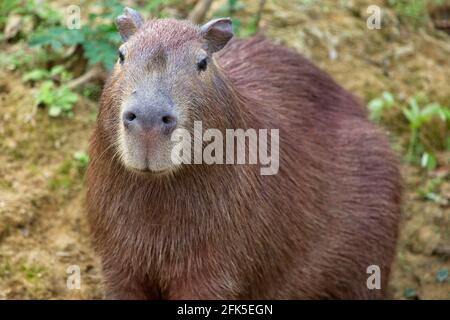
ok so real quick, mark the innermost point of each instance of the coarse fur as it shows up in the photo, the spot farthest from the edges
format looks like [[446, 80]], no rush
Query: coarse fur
[[227, 232]]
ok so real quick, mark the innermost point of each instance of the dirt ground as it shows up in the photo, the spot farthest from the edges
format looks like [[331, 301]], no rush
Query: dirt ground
[[43, 228]]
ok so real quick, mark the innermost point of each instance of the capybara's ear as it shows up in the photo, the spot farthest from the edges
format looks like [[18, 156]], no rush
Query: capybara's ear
[[128, 23], [217, 32]]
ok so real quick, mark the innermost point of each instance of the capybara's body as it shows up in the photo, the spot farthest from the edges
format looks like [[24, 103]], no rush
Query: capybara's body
[[228, 232]]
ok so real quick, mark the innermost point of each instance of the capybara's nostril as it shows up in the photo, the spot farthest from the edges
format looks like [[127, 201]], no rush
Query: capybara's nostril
[[169, 122], [128, 118], [167, 119]]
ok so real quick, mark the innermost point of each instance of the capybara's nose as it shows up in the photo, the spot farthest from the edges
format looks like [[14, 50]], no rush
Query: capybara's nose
[[169, 122], [149, 119]]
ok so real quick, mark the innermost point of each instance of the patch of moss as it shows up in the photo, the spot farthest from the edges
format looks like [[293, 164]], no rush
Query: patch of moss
[[5, 269], [63, 177], [32, 272]]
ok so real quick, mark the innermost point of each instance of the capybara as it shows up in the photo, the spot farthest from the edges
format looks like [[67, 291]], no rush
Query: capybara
[[167, 230]]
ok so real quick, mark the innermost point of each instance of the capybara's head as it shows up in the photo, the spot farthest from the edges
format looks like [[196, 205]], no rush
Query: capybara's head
[[165, 79]]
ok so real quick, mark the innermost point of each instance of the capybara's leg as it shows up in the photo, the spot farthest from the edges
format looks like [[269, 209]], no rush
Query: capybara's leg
[[119, 287], [201, 288]]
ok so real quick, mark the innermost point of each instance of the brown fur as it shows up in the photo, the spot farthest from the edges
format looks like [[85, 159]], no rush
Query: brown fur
[[225, 231]]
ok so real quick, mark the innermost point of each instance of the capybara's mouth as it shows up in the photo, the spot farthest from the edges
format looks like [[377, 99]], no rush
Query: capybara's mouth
[[148, 171]]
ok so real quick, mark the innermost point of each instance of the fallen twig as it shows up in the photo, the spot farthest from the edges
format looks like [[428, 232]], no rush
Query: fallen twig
[[262, 3], [198, 13], [94, 72], [442, 251], [441, 44]]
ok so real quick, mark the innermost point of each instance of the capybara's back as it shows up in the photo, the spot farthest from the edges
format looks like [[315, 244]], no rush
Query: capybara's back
[[323, 225]]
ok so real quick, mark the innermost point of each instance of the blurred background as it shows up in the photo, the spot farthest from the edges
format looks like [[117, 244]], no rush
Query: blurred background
[[51, 73]]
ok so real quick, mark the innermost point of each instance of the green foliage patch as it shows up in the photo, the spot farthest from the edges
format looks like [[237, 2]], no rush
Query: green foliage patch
[[98, 38], [413, 11]]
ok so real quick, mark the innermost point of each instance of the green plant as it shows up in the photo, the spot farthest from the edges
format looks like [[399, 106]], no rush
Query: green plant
[[156, 7], [58, 99], [82, 159], [98, 38], [412, 11], [409, 9], [53, 92], [378, 106], [417, 117], [229, 8], [410, 293], [15, 60], [429, 190], [428, 161], [57, 73], [419, 121], [7, 7], [41, 12], [307, 3], [442, 275], [32, 272]]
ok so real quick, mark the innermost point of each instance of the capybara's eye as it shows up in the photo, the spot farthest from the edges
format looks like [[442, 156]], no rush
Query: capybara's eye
[[121, 57], [202, 64]]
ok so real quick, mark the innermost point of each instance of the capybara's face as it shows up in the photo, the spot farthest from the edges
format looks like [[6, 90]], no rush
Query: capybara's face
[[166, 77]]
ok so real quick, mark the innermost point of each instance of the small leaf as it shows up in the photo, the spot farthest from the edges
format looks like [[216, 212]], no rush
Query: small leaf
[[82, 157], [376, 104], [442, 275], [414, 106], [428, 161], [388, 98], [430, 110], [58, 69], [35, 75], [376, 107], [45, 95], [54, 111], [100, 51], [444, 113], [408, 114], [57, 37], [410, 293]]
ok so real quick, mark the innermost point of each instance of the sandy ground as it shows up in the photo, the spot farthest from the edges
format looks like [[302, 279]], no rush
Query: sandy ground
[[43, 228]]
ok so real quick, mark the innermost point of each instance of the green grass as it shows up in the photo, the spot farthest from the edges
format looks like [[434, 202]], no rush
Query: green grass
[[412, 11], [419, 116]]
